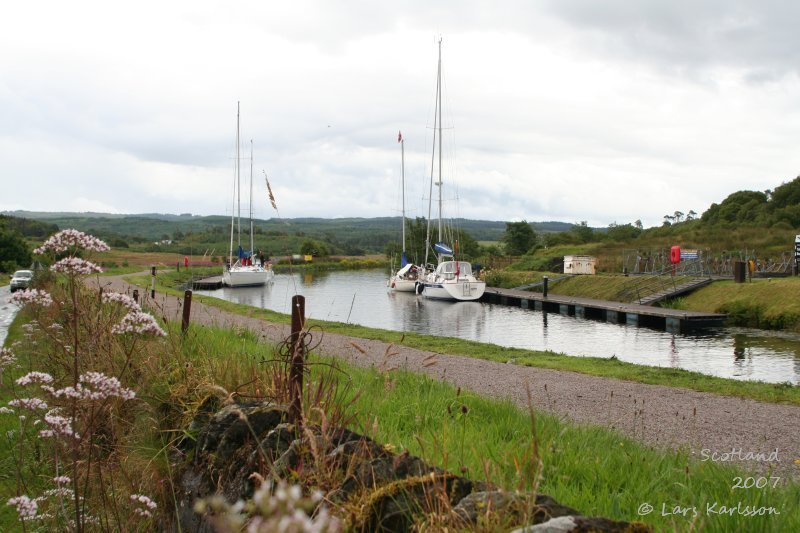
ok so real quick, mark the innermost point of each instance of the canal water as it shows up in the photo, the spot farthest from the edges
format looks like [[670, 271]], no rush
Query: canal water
[[362, 297]]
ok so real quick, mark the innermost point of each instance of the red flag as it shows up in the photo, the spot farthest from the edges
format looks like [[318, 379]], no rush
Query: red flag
[[399, 136]]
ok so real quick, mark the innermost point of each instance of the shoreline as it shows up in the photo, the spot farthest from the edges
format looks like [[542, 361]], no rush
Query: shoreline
[[657, 415]]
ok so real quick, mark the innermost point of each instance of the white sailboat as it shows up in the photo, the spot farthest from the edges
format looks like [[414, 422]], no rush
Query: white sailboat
[[244, 269], [452, 279], [405, 279]]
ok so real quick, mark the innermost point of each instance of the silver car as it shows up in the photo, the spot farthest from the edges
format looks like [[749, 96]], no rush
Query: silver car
[[21, 279]]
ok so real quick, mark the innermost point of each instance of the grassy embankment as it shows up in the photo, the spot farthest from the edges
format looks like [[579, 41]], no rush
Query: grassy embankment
[[579, 466], [611, 367]]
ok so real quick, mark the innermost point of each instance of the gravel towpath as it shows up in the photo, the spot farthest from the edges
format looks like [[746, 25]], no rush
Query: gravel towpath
[[703, 423]]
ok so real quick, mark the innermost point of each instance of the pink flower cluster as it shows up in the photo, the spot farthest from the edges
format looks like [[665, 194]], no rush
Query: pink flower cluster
[[138, 322], [76, 266], [32, 297], [26, 508], [149, 505], [59, 427], [123, 299], [93, 386], [7, 358], [69, 239], [31, 404], [34, 377]]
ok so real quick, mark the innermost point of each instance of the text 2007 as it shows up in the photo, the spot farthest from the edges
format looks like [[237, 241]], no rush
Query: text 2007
[[755, 482]]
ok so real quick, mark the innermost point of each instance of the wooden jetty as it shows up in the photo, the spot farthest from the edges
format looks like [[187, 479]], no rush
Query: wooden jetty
[[672, 320], [207, 284]]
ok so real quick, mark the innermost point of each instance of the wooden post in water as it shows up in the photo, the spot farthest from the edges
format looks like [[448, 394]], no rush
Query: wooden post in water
[[297, 362], [544, 286], [187, 310]]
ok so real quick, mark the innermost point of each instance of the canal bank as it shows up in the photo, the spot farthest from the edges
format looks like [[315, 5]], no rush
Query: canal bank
[[658, 415]]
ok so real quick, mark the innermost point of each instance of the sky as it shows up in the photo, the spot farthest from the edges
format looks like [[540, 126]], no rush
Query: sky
[[604, 111]]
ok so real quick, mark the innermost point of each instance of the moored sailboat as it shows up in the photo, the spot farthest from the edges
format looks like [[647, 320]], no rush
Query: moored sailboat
[[452, 279], [244, 269], [405, 279]]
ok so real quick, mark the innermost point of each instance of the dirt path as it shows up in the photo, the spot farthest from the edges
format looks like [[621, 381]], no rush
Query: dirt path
[[705, 424]]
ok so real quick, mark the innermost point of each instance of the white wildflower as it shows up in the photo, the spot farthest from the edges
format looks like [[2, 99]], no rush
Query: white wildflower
[[71, 239], [138, 322], [31, 297], [76, 266]]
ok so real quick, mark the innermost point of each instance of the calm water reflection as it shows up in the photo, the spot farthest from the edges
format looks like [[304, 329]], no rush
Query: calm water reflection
[[361, 297]]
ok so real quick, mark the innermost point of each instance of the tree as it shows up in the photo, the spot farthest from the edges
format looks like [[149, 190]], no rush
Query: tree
[[583, 232], [621, 233], [14, 251], [314, 247], [519, 237]]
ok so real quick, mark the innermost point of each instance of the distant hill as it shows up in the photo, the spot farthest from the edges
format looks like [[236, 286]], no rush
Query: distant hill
[[370, 233]]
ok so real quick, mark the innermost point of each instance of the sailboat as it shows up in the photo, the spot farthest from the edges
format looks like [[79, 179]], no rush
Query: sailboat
[[405, 279], [451, 279], [244, 269]]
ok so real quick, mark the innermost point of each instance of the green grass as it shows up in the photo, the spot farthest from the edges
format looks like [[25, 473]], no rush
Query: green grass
[[763, 303], [592, 469], [595, 366]]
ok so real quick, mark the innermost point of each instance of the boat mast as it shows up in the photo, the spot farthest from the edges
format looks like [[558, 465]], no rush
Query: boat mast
[[233, 201], [403, 187], [251, 199], [238, 186], [439, 183], [433, 154]]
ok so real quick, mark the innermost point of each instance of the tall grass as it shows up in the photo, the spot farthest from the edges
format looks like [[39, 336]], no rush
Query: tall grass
[[591, 469]]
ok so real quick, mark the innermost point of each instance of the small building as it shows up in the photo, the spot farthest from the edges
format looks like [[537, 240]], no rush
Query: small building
[[579, 264]]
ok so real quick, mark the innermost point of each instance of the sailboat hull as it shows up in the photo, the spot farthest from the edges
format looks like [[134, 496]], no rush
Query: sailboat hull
[[461, 290], [402, 285], [246, 276]]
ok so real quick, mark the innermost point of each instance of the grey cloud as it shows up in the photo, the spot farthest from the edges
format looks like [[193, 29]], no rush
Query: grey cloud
[[759, 37]]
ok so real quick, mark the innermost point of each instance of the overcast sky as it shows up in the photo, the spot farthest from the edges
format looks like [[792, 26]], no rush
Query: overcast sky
[[597, 110]]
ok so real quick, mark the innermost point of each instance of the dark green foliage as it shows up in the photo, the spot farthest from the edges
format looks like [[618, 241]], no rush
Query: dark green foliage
[[14, 251], [623, 232], [583, 232], [27, 227], [758, 209], [315, 248], [519, 237]]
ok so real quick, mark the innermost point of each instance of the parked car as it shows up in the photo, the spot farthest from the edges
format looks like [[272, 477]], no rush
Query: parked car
[[21, 279]]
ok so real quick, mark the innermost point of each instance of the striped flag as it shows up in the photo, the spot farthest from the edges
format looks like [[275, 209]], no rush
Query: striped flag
[[271, 196]]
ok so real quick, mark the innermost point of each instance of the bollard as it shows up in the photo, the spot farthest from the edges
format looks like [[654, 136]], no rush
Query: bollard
[[187, 310], [136, 295], [297, 362], [544, 286], [153, 283]]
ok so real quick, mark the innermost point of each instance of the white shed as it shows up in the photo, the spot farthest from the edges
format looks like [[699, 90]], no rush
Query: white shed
[[579, 264]]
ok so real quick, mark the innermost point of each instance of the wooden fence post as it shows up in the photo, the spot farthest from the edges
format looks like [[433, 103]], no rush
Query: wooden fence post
[[297, 361], [187, 310]]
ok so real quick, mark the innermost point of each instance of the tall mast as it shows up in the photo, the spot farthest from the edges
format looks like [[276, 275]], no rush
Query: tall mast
[[251, 198], [238, 185], [439, 98], [233, 200], [433, 155], [403, 187]]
